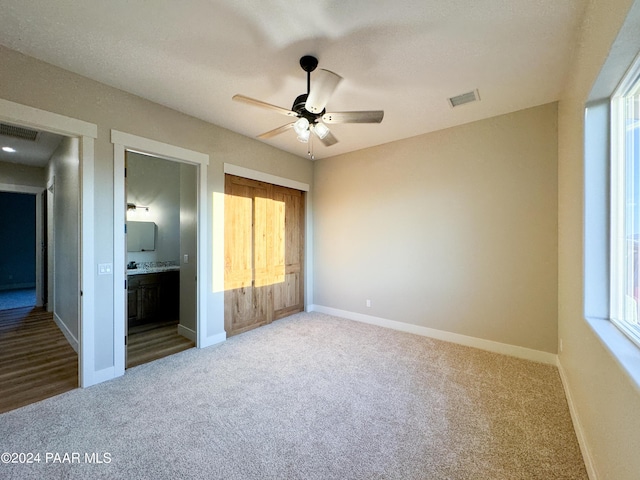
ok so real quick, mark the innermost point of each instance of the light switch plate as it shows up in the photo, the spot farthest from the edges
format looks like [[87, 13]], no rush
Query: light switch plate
[[105, 268]]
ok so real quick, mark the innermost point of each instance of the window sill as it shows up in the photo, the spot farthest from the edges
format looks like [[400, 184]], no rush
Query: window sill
[[623, 350]]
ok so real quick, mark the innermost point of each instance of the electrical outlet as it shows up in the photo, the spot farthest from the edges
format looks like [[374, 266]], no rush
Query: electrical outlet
[[368, 303], [185, 258]]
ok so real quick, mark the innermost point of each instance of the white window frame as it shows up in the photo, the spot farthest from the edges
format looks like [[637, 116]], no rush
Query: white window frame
[[618, 299]]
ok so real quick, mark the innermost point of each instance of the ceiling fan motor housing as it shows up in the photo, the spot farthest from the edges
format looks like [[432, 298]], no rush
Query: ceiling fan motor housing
[[298, 107]]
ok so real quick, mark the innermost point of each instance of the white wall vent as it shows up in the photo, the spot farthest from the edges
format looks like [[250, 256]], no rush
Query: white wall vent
[[18, 132], [463, 98]]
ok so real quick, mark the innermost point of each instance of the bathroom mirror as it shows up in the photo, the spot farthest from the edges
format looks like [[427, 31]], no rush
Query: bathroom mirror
[[141, 236]]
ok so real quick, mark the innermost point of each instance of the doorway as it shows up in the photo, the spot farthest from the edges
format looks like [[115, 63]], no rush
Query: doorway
[[197, 182], [84, 133], [38, 337], [18, 242], [161, 238]]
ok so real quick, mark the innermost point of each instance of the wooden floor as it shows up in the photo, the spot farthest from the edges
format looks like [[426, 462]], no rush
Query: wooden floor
[[153, 341], [36, 361]]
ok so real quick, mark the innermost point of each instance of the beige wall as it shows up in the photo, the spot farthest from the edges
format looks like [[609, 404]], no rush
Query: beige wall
[[454, 230], [605, 400], [155, 183], [63, 172], [33, 83], [13, 174]]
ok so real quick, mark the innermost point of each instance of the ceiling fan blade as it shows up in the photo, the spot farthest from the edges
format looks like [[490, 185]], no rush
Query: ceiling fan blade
[[328, 139], [371, 116], [325, 83], [261, 104], [276, 131]]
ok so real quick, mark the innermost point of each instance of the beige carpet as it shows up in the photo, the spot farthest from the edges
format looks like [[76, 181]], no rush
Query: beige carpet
[[309, 397]]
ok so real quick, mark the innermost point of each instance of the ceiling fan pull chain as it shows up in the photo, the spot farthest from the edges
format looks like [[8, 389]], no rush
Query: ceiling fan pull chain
[[310, 148]]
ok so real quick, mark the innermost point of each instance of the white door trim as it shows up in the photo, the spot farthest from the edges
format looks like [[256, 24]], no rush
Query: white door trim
[[26, 116], [51, 246], [251, 174], [124, 141]]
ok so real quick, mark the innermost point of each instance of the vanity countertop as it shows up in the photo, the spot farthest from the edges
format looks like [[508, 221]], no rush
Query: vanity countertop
[[140, 270]]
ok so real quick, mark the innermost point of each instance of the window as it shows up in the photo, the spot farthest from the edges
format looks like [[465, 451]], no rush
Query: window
[[625, 205]]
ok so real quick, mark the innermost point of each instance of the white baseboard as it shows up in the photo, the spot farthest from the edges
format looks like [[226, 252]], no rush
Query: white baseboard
[[577, 426], [73, 341], [489, 345], [187, 333], [212, 340]]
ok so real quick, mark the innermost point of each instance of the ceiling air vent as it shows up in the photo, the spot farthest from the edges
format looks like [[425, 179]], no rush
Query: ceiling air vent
[[463, 98], [18, 132]]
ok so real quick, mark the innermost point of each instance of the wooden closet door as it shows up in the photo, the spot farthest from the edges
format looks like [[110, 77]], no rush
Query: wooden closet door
[[288, 292], [246, 305], [264, 244]]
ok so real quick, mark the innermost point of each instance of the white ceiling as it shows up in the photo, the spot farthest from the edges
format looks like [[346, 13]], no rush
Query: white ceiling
[[34, 153], [405, 57]]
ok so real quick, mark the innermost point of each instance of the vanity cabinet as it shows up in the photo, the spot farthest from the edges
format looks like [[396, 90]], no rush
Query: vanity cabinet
[[153, 297]]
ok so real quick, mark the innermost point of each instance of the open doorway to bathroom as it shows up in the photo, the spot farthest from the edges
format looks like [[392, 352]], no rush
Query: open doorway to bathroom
[[161, 238]]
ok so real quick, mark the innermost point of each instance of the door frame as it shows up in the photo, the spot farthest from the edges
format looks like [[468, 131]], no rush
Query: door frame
[[122, 142], [49, 195], [18, 114]]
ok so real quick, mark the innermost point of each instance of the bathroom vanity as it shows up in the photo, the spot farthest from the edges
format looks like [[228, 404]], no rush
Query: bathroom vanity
[[153, 295]]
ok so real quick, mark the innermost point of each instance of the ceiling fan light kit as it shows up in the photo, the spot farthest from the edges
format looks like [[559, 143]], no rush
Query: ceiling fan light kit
[[301, 125], [310, 108], [321, 130]]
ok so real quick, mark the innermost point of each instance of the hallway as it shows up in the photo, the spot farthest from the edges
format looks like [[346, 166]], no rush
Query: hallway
[[36, 360]]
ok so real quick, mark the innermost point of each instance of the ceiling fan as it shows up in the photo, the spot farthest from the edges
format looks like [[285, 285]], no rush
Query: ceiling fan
[[309, 108]]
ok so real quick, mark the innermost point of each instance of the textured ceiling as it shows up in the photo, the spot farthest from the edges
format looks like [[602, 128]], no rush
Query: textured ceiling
[[405, 57]]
